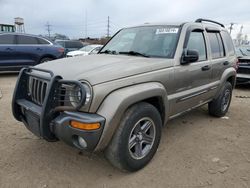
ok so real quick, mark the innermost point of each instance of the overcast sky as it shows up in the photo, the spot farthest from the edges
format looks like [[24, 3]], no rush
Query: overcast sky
[[69, 17]]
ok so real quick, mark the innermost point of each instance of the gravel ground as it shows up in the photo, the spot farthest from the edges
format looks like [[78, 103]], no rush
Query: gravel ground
[[196, 150]]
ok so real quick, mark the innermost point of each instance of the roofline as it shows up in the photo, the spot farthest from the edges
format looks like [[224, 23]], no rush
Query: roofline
[[200, 21], [25, 34]]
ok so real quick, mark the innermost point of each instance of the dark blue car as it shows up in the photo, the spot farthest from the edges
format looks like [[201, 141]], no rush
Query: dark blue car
[[21, 50]]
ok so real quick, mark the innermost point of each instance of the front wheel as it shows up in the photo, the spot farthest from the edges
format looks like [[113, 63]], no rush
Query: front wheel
[[137, 138], [219, 106]]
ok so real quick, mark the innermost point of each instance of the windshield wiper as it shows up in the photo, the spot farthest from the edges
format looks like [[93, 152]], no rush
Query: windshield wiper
[[134, 53], [108, 52]]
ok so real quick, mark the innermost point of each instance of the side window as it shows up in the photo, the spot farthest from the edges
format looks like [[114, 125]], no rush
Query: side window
[[196, 41], [7, 39], [27, 40], [228, 42], [96, 50], [42, 41], [217, 48], [73, 44], [61, 43]]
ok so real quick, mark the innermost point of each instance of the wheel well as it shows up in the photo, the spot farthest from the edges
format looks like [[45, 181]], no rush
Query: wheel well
[[47, 56], [231, 79], [157, 102]]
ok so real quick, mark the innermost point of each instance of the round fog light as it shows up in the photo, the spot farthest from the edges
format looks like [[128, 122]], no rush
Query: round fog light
[[82, 142]]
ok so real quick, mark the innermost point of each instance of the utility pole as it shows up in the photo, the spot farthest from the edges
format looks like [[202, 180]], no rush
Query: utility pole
[[231, 28], [48, 28], [86, 25], [108, 28]]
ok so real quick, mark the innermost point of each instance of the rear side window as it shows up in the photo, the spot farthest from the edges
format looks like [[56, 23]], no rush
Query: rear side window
[[61, 43], [217, 48], [196, 42], [228, 42], [27, 40], [42, 41], [7, 39], [73, 44]]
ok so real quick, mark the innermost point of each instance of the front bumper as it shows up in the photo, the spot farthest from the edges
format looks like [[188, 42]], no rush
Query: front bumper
[[243, 78], [243, 73], [46, 122], [63, 131]]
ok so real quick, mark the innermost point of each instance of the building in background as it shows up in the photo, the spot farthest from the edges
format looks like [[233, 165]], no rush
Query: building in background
[[7, 28]]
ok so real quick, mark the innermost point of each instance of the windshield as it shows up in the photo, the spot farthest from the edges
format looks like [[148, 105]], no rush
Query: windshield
[[243, 51], [149, 41], [87, 48]]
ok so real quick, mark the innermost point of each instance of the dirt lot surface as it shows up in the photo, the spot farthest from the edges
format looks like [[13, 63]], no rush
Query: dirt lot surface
[[196, 150]]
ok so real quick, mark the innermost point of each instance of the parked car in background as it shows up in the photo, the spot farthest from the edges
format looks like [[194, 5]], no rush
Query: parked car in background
[[243, 72], [21, 50], [70, 45], [86, 50]]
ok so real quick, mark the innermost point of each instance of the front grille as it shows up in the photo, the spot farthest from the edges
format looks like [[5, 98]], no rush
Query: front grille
[[244, 70], [37, 90]]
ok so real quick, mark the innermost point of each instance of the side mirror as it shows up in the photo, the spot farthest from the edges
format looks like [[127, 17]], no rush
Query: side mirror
[[189, 56]]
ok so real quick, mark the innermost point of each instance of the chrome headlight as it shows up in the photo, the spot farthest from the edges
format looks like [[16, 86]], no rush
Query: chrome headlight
[[88, 93], [76, 95]]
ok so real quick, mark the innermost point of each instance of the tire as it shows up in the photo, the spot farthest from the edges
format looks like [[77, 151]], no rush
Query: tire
[[141, 125], [219, 106], [45, 59]]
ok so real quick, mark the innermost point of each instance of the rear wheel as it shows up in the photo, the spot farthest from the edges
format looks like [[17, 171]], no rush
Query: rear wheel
[[45, 59], [137, 138], [219, 106]]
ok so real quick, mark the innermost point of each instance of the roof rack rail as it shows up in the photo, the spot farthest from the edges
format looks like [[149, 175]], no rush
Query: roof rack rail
[[207, 20]]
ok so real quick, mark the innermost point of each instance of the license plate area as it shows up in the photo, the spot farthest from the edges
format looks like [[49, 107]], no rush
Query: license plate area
[[33, 123]]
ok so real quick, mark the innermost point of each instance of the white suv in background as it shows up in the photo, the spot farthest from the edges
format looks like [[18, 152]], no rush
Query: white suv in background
[[86, 50]]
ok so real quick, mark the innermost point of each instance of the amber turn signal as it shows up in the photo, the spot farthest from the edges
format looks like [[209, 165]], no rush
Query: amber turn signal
[[85, 126]]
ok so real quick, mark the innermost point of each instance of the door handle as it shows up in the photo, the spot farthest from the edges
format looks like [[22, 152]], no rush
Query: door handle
[[38, 48], [9, 49], [205, 68], [226, 63]]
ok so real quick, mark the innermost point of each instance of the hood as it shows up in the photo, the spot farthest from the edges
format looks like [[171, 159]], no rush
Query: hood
[[77, 52], [101, 68]]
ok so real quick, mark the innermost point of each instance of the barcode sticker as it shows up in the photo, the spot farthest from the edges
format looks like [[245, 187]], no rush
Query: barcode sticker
[[166, 30]]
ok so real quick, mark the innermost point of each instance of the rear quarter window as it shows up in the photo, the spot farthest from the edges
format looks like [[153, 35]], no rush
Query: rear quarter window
[[42, 41], [228, 42]]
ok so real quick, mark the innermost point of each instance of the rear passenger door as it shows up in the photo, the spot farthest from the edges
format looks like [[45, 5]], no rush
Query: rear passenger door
[[218, 55], [28, 50], [192, 80]]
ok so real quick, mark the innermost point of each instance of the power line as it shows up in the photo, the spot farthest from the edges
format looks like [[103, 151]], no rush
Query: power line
[[48, 28]]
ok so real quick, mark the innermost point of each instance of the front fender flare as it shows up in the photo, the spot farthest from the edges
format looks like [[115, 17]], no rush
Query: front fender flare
[[117, 102]]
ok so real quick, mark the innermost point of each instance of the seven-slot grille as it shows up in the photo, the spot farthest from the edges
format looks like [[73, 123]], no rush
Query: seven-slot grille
[[37, 89]]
